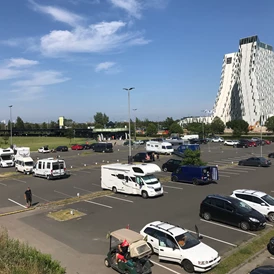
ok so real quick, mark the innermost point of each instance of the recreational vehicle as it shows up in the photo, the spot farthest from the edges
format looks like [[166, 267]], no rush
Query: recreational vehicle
[[136, 179], [24, 164], [6, 156], [21, 152], [159, 147]]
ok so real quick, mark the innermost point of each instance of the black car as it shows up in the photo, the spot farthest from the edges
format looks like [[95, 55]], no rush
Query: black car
[[231, 211], [271, 155], [266, 269], [91, 146], [255, 161], [144, 157], [85, 146], [242, 143], [171, 165], [198, 141], [62, 148], [270, 246], [103, 147]]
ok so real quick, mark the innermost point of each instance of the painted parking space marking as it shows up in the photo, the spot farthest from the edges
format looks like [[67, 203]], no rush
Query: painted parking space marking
[[165, 192], [228, 172], [107, 206], [3, 184], [269, 224], [17, 180], [174, 187], [165, 267], [82, 189], [234, 169], [84, 171], [215, 239], [246, 168], [64, 194], [181, 184], [16, 203], [41, 198], [121, 199], [272, 258], [232, 228], [221, 175]]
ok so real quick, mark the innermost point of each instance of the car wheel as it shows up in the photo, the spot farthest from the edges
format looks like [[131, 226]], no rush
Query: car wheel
[[174, 179], [144, 194], [106, 261], [244, 146], [16, 169], [244, 226], [114, 190], [188, 266], [48, 177], [270, 216], [207, 216], [195, 181], [33, 174], [165, 169], [270, 249]]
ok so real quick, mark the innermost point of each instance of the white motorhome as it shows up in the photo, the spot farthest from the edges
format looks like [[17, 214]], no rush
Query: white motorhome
[[136, 179], [6, 157], [21, 152], [24, 164], [50, 168], [159, 147], [188, 137]]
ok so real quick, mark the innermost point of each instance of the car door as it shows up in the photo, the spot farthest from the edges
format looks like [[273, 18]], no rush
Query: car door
[[249, 162], [230, 214], [169, 165], [169, 250], [217, 210], [136, 158], [260, 205]]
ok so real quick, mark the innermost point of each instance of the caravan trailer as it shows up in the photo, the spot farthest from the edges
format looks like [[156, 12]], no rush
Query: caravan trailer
[[159, 147], [6, 157], [21, 152], [136, 179]]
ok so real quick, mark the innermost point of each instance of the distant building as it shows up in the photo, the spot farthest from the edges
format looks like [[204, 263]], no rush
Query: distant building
[[61, 121]]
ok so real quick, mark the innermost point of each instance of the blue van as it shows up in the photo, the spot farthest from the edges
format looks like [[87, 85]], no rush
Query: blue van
[[195, 174], [182, 148]]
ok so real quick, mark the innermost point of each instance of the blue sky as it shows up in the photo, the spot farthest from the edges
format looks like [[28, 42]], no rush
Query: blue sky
[[73, 58]]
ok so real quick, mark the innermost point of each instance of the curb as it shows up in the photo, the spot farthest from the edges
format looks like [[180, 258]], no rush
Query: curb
[[15, 212]]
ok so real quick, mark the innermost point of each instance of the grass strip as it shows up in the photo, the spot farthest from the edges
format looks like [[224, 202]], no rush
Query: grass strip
[[243, 253], [8, 174], [65, 214]]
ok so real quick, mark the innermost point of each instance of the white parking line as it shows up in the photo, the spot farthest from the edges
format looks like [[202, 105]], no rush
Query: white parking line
[[83, 189], [181, 184], [112, 197], [64, 194], [84, 171], [40, 198], [232, 228], [165, 192], [228, 172], [269, 225], [19, 180], [17, 203], [238, 170], [3, 184], [245, 168], [215, 239], [173, 187], [272, 258], [167, 268], [97, 204], [221, 175]]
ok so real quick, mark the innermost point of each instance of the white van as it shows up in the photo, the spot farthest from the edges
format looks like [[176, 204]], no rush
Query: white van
[[24, 164], [159, 147], [6, 157], [50, 168], [137, 179]]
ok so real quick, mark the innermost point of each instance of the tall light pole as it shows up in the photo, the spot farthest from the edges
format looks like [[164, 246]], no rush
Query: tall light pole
[[10, 125], [261, 125], [129, 134], [203, 126], [135, 124]]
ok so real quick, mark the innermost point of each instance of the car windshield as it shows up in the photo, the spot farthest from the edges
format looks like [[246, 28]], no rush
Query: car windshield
[[242, 207], [6, 157], [29, 163], [168, 147], [187, 240], [268, 199], [150, 179]]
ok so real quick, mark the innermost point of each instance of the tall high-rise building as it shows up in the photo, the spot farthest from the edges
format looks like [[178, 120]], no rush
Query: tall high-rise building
[[247, 83]]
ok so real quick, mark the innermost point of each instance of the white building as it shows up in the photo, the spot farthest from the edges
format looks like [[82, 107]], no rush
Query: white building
[[247, 83]]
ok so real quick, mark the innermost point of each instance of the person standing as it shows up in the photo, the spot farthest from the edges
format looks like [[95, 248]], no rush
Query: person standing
[[28, 197]]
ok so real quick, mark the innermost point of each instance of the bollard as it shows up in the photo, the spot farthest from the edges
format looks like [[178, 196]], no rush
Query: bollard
[[107, 161], [232, 163], [117, 160], [78, 153], [95, 163], [59, 156], [78, 195], [72, 212], [85, 165], [103, 161], [70, 166], [118, 149]]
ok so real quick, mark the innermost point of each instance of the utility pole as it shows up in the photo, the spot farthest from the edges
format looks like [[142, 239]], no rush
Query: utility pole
[[135, 124], [10, 125]]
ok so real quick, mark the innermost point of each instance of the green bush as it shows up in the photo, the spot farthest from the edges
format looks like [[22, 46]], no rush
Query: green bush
[[20, 258]]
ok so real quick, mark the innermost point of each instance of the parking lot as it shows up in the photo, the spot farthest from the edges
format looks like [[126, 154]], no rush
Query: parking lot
[[179, 205]]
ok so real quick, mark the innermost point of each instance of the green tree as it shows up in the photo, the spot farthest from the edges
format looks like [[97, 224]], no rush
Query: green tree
[[192, 158], [69, 134], [168, 122], [44, 125], [175, 128], [53, 124], [36, 126], [151, 129], [217, 125], [195, 127], [6, 139], [28, 125], [100, 120], [270, 124], [19, 123], [238, 126]]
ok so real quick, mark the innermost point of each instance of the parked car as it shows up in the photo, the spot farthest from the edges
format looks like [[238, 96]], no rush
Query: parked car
[[138, 142], [144, 157], [126, 143], [176, 244], [92, 146], [231, 211], [103, 147], [242, 143], [198, 141], [76, 147], [270, 246], [85, 146], [62, 148], [230, 142], [44, 149], [217, 139], [266, 269], [255, 161], [171, 165], [258, 200], [267, 142], [271, 155], [253, 143]]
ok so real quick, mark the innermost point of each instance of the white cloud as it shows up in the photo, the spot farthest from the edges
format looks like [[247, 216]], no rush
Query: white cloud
[[42, 78], [28, 93], [21, 62], [58, 14], [133, 7], [101, 37], [6, 73], [104, 66]]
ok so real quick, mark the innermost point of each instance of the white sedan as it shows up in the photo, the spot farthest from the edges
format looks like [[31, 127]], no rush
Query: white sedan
[[44, 150], [230, 142], [217, 140]]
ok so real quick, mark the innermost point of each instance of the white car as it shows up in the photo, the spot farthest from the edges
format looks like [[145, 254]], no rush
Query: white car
[[217, 140], [44, 150], [175, 244], [258, 200], [230, 142], [139, 142]]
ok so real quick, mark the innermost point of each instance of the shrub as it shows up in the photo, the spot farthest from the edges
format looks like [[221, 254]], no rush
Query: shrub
[[20, 258]]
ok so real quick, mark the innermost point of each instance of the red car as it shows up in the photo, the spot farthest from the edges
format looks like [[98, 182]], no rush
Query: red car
[[77, 147], [267, 142], [252, 144]]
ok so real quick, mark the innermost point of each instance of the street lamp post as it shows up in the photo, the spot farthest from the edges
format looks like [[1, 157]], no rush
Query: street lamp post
[[261, 125], [135, 124], [129, 134], [10, 125]]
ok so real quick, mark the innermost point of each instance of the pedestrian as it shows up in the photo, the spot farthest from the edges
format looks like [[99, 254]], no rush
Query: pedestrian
[[158, 156], [28, 197], [153, 156]]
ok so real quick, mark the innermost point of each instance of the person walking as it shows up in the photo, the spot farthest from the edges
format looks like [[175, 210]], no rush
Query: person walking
[[28, 197]]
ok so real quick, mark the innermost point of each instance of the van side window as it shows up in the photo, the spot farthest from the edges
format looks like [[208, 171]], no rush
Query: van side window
[[121, 176], [48, 165], [257, 200], [148, 145], [44, 165], [150, 231], [208, 201], [228, 207], [133, 179], [39, 165], [219, 203], [138, 180]]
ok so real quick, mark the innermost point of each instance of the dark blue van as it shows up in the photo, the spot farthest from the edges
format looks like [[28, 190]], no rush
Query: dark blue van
[[182, 148], [195, 174]]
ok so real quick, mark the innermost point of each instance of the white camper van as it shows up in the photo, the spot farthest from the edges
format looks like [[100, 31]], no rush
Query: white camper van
[[50, 168], [137, 179], [6, 157], [21, 152], [24, 164], [159, 147]]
